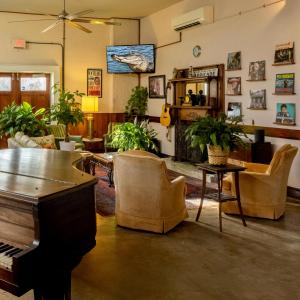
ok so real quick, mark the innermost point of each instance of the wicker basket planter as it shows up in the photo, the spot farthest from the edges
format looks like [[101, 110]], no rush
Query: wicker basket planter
[[217, 156]]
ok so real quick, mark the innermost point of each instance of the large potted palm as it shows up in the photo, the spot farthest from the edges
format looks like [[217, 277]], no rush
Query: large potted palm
[[66, 111], [219, 135]]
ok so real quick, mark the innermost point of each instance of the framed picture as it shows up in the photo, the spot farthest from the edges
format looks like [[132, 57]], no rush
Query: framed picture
[[234, 86], [285, 83], [286, 114], [157, 86], [258, 99], [94, 82], [234, 61], [284, 54], [234, 109], [257, 70]]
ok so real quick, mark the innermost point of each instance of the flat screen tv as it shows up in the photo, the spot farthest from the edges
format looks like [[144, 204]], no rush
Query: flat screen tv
[[130, 59]]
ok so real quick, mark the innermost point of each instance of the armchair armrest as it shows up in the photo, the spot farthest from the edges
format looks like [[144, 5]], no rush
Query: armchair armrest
[[255, 167]]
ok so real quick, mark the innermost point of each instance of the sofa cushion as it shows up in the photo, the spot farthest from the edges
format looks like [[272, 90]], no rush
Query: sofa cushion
[[25, 141]]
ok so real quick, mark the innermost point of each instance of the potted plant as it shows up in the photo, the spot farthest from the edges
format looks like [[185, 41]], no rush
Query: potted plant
[[138, 101], [14, 118], [134, 136], [220, 135], [66, 111]]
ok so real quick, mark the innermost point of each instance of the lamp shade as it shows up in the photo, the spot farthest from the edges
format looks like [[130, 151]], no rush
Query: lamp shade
[[89, 104]]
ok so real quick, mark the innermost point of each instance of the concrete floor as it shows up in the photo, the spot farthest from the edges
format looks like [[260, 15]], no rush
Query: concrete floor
[[193, 261]]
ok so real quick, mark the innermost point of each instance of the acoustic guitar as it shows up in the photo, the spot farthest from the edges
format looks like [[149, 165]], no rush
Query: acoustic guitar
[[165, 118]]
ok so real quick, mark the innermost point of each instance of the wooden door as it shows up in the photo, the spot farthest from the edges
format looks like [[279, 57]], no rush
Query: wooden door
[[34, 89], [18, 87], [30, 87], [8, 89]]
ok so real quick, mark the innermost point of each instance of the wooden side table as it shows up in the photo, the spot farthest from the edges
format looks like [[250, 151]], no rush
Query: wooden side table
[[93, 145], [219, 196]]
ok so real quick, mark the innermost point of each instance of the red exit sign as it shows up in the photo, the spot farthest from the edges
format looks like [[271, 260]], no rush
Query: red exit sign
[[20, 44]]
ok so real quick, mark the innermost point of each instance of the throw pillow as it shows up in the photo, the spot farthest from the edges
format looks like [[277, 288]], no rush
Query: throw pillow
[[47, 141]]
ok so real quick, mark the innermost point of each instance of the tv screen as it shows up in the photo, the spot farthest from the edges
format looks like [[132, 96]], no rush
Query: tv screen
[[130, 59]]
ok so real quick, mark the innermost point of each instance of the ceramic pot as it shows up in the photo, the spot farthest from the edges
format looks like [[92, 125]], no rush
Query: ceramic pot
[[67, 146]]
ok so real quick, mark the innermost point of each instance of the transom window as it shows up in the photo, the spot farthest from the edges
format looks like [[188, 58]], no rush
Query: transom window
[[33, 84], [5, 84]]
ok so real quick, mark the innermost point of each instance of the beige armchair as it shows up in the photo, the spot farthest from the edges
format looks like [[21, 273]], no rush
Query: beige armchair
[[263, 188], [145, 197]]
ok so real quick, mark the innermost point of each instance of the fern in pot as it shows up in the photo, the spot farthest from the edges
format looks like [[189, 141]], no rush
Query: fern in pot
[[134, 136], [220, 135]]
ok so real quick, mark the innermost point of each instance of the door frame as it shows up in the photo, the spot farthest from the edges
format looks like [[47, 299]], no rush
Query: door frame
[[54, 72]]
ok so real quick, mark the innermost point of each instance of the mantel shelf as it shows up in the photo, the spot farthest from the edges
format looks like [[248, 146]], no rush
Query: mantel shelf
[[284, 94], [192, 79], [192, 107]]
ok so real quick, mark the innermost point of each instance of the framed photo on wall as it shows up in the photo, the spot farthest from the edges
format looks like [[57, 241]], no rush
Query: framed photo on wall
[[157, 86], [94, 82]]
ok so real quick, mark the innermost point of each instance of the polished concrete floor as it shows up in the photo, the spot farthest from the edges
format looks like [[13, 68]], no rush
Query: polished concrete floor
[[193, 261]]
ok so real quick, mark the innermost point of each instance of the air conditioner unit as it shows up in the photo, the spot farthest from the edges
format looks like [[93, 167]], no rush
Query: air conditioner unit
[[202, 15]]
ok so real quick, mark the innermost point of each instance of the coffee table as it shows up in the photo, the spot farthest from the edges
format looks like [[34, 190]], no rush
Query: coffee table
[[104, 160]]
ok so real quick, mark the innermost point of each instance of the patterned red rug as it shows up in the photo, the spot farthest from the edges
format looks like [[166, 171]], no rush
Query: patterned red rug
[[105, 195]]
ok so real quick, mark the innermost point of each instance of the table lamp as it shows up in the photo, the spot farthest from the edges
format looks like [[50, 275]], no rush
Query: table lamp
[[89, 105]]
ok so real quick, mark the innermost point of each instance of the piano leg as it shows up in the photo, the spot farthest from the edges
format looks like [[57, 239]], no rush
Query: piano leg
[[58, 288]]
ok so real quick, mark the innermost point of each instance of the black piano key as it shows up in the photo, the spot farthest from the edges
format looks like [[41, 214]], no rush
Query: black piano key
[[13, 252], [6, 248], [3, 246]]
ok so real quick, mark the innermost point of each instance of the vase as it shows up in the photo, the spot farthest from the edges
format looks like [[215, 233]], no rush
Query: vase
[[67, 146], [217, 156]]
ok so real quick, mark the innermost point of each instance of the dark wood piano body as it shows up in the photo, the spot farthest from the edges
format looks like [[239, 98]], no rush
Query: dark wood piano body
[[47, 208]]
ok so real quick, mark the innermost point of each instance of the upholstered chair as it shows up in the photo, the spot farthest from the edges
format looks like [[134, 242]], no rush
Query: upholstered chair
[[145, 198], [263, 188], [59, 133]]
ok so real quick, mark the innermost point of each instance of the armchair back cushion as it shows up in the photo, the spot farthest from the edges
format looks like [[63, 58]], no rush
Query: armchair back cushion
[[145, 197]]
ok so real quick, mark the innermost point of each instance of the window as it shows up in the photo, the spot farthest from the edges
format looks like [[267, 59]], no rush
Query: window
[[5, 84], [33, 84]]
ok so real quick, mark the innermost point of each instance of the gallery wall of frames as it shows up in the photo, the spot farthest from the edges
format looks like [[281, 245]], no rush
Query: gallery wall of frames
[[284, 86]]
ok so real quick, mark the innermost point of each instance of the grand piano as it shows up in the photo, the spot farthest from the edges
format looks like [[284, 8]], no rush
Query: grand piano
[[47, 220]]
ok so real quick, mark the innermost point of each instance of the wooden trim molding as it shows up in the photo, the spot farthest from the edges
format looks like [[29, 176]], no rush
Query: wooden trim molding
[[283, 133], [294, 193]]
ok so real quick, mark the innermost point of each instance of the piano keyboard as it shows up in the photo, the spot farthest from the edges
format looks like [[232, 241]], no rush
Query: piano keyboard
[[6, 255]]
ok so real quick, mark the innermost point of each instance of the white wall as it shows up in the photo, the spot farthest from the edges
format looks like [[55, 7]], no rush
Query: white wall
[[255, 34], [82, 51]]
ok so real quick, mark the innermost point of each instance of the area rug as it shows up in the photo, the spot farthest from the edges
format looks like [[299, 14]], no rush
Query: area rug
[[105, 195]]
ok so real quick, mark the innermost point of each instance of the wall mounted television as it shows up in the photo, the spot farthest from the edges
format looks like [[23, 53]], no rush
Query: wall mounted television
[[131, 59]]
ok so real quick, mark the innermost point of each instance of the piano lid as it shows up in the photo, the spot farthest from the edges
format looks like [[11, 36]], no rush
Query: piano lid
[[38, 173]]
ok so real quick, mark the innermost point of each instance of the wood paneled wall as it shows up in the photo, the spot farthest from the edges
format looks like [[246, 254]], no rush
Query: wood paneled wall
[[101, 121]]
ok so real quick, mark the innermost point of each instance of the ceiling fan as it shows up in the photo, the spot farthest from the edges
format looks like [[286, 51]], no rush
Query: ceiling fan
[[71, 20]]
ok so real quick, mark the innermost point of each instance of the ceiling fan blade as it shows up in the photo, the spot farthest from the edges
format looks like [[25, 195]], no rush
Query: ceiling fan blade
[[79, 14], [52, 26], [97, 22], [78, 26], [30, 20], [36, 12]]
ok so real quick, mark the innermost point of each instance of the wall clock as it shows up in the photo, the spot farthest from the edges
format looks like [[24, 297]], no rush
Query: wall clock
[[197, 51]]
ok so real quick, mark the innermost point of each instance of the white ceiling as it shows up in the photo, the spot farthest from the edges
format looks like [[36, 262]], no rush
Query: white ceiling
[[103, 8]]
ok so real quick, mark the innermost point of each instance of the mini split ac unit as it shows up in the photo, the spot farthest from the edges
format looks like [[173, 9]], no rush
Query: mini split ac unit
[[202, 15]]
